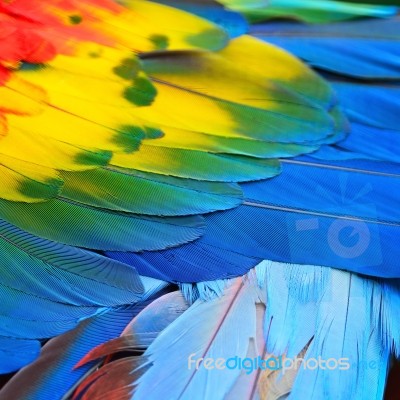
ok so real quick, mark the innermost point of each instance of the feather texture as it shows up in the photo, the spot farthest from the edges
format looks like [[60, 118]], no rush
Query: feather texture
[[309, 11], [143, 123], [137, 336], [348, 209], [205, 340], [341, 314], [234, 23], [59, 355], [205, 336], [139, 138], [365, 49], [132, 191], [312, 315], [47, 288]]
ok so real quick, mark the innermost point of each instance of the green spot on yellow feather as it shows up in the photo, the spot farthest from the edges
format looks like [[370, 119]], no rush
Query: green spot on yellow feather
[[129, 137], [99, 158], [161, 42], [75, 19], [129, 68], [213, 39], [153, 133], [41, 190], [30, 67], [141, 93]]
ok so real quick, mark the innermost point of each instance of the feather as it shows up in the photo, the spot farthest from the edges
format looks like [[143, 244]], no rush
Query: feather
[[374, 123], [374, 143], [26, 182], [234, 23], [287, 113], [27, 259], [198, 165], [47, 288], [59, 355], [312, 315], [367, 49], [203, 331], [341, 318], [309, 11], [143, 329], [205, 291], [138, 192], [146, 94], [86, 226], [137, 336], [370, 104], [189, 140], [108, 22], [15, 354], [192, 262], [64, 88], [164, 142], [346, 207], [264, 111]]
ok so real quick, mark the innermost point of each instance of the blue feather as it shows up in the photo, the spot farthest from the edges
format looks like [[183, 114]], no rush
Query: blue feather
[[365, 48], [194, 262], [47, 288], [52, 375], [312, 315], [334, 315], [372, 105], [380, 144], [345, 217], [374, 130], [15, 354]]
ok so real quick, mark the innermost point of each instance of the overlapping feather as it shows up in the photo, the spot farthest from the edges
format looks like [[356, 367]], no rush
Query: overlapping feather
[[125, 167], [305, 313], [143, 125], [55, 367], [310, 11], [367, 49]]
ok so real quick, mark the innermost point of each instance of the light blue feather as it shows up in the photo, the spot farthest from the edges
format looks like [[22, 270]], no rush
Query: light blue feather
[[221, 327], [346, 321]]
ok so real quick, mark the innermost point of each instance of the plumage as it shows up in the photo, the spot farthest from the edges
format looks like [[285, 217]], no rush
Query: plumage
[[310, 313], [202, 335], [349, 209], [61, 354], [234, 23], [137, 336], [349, 313], [133, 191], [147, 147], [365, 49], [100, 229], [309, 11]]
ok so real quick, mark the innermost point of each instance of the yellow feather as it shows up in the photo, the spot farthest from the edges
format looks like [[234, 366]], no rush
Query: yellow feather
[[27, 182]]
